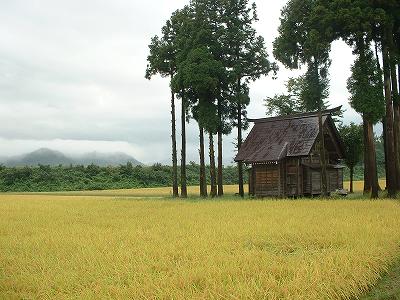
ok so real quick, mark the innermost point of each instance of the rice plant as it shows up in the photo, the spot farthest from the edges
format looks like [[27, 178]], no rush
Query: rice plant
[[82, 247]]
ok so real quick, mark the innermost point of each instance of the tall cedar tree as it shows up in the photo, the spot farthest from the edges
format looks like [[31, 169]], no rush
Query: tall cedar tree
[[383, 121], [204, 30], [247, 59], [300, 43], [390, 137], [384, 33], [162, 61], [370, 20], [367, 99], [201, 74], [181, 21], [210, 14], [352, 137], [394, 59]]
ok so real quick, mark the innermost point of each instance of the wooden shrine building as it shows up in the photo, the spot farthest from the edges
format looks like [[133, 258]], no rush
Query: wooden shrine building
[[282, 154]]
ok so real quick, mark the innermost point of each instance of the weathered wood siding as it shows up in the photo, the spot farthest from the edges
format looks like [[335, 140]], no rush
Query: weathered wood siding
[[315, 182], [294, 177], [251, 181], [340, 179], [307, 181], [267, 180], [291, 178]]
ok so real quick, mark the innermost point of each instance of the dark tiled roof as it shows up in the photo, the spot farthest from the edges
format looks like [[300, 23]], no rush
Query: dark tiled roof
[[276, 138]]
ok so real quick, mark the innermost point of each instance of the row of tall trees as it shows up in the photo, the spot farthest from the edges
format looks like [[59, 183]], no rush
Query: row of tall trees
[[308, 29], [210, 52]]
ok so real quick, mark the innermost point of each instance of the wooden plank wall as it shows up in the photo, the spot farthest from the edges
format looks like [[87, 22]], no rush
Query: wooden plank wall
[[294, 177], [290, 178], [267, 180]]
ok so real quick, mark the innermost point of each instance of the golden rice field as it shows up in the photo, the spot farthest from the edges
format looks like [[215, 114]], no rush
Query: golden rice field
[[167, 192], [119, 247]]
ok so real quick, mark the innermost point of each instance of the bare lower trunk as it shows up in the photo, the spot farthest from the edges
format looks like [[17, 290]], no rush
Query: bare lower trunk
[[396, 134], [391, 176], [385, 147], [396, 131], [372, 161], [175, 190], [398, 103], [324, 181], [239, 141], [220, 181], [351, 179], [383, 120], [376, 164], [203, 181], [212, 167], [367, 171], [220, 166], [183, 153], [396, 109]]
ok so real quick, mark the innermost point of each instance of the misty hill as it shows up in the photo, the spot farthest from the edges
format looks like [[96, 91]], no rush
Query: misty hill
[[50, 157], [107, 159]]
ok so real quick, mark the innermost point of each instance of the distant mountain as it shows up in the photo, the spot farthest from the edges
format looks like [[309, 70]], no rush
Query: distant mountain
[[46, 156], [107, 159], [42, 156]]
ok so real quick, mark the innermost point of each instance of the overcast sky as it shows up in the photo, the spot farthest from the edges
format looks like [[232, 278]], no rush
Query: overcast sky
[[72, 77]]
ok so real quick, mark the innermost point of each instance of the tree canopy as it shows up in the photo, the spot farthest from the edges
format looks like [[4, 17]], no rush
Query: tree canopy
[[365, 87]]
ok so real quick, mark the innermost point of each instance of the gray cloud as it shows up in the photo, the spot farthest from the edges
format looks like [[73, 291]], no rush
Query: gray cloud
[[72, 77]]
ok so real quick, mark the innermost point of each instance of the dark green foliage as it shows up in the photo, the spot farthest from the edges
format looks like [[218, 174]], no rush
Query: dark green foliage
[[286, 104], [365, 87], [380, 160], [300, 39], [352, 137], [75, 178], [300, 42], [281, 105], [314, 87], [199, 75], [304, 94]]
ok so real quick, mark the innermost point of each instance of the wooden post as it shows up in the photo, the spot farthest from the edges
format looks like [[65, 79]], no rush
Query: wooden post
[[324, 187], [279, 180], [298, 178], [284, 177]]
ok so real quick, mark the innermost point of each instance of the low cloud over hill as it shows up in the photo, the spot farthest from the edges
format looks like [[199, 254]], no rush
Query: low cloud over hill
[[46, 156]]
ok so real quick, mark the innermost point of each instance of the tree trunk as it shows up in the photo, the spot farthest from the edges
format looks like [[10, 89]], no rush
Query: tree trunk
[[396, 133], [212, 167], [175, 190], [372, 160], [239, 138], [324, 179], [183, 153], [203, 180], [375, 162], [385, 147], [351, 179], [220, 153], [396, 109], [383, 119], [391, 176], [367, 171]]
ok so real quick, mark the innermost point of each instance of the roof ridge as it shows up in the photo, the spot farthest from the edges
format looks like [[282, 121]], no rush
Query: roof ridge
[[327, 112]]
